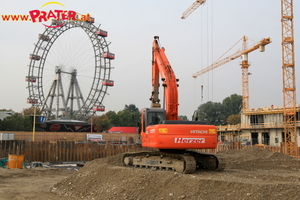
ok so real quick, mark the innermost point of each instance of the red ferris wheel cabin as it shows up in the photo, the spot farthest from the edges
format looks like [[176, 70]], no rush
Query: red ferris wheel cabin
[[108, 55], [108, 82], [99, 108]]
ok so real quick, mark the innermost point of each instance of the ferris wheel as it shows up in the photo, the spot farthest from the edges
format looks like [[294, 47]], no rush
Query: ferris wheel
[[69, 70]]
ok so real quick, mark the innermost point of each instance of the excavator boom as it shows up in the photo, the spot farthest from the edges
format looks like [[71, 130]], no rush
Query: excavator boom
[[161, 68]]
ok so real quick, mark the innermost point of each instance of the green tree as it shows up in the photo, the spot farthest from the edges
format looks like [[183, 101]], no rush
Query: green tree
[[211, 113], [127, 118], [234, 119], [232, 104], [16, 122], [113, 118], [217, 113], [101, 123], [132, 108]]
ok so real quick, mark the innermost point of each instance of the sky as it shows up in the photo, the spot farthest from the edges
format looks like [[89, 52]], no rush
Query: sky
[[190, 45]]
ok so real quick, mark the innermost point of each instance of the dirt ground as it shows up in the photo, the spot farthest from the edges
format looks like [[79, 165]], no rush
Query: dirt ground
[[252, 173]]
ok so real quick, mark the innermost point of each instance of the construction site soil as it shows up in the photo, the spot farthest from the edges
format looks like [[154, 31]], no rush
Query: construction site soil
[[251, 173]]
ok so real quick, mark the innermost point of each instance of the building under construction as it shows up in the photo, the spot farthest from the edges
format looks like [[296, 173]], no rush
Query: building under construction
[[263, 126]]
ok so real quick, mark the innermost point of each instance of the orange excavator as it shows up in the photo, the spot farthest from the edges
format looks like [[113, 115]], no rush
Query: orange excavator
[[174, 142]]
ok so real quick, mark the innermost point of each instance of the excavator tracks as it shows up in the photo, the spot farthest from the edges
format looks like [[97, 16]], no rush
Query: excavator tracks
[[186, 162], [208, 161]]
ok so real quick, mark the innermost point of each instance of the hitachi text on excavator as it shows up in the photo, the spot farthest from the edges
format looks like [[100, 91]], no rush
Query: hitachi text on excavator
[[175, 141]]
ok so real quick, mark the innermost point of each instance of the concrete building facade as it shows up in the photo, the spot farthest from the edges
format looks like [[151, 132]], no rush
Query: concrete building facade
[[261, 126]]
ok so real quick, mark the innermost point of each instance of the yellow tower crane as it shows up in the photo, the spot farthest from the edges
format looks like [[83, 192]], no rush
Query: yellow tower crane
[[192, 8], [288, 73], [244, 65], [289, 83]]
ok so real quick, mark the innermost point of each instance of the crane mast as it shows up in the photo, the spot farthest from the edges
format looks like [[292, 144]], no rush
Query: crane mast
[[245, 65], [288, 73]]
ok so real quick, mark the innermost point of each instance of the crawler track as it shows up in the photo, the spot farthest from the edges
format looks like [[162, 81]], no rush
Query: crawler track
[[186, 162], [208, 161]]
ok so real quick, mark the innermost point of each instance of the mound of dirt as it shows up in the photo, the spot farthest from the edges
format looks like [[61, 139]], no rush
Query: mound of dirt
[[251, 153], [252, 173], [255, 158]]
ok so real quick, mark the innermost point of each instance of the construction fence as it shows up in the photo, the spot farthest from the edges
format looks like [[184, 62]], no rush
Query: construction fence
[[70, 151], [62, 151], [70, 136]]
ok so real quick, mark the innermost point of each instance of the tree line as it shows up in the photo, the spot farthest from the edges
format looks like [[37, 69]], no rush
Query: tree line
[[128, 117], [215, 113]]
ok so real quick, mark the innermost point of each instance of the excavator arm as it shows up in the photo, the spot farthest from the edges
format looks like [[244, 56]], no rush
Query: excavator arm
[[161, 68]]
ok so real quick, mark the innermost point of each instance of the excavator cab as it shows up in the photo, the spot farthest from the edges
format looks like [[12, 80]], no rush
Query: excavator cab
[[152, 116], [155, 116]]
